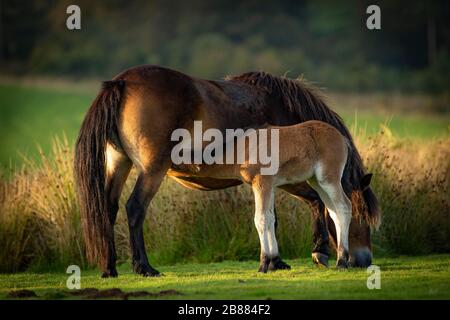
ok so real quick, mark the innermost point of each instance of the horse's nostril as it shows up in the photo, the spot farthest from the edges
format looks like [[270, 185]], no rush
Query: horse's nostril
[[361, 257]]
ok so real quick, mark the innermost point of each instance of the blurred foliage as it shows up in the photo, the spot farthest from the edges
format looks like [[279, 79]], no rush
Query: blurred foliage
[[326, 40]]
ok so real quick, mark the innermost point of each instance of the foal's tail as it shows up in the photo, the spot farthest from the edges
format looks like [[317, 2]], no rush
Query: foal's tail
[[99, 126]]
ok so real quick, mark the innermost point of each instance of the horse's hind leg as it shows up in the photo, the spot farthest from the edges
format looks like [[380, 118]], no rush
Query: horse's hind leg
[[146, 187], [117, 169], [341, 213], [340, 210]]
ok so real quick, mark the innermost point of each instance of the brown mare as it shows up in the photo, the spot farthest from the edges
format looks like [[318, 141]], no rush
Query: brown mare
[[131, 122]]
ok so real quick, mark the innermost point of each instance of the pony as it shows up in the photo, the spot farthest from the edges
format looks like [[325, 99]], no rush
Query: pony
[[130, 124], [313, 152]]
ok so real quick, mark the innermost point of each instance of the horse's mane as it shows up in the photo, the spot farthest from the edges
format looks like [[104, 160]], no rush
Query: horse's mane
[[307, 102]]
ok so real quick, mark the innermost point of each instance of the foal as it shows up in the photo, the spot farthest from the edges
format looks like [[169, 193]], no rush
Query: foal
[[314, 152]]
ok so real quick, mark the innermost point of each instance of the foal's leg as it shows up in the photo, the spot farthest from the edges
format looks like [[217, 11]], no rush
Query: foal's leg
[[277, 263], [146, 186], [340, 211], [265, 221], [117, 169]]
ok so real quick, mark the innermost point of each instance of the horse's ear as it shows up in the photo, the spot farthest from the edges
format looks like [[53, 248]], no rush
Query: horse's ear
[[365, 181]]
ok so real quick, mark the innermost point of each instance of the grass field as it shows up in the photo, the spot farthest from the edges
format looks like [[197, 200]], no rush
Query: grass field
[[401, 278]]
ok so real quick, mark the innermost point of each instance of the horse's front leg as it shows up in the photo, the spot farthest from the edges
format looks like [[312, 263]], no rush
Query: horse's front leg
[[146, 186], [265, 222], [320, 251]]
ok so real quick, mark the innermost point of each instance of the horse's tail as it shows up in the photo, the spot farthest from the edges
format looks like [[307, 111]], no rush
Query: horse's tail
[[99, 126]]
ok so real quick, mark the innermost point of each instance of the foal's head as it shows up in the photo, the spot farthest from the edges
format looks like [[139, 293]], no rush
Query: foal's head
[[366, 214]]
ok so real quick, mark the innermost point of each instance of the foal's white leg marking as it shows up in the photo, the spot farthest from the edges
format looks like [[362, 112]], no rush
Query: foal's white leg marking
[[265, 221], [337, 203], [340, 211]]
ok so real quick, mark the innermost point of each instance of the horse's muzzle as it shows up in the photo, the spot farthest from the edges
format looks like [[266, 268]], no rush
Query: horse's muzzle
[[360, 257]]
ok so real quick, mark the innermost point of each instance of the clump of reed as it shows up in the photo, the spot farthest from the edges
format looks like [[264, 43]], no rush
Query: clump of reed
[[40, 225], [39, 219], [412, 182]]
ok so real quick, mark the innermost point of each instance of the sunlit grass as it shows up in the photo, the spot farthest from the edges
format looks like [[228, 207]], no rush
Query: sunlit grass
[[401, 278]]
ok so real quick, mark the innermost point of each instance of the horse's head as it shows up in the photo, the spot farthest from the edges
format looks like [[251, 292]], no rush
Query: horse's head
[[366, 214]]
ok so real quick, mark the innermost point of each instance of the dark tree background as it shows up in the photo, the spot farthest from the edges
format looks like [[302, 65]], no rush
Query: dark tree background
[[327, 41]]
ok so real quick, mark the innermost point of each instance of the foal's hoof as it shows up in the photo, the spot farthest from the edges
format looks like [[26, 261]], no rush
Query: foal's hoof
[[110, 274], [146, 271], [342, 264], [263, 268], [320, 259], [278, 264], [264, 265]]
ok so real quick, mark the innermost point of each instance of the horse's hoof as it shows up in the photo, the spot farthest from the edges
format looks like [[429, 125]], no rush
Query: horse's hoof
[[149, 272], [110, 274], [154, 273], [146, 270], [320, 259], [278, 264]]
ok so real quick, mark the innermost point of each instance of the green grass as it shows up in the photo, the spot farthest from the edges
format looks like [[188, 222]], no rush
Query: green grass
[[415, 126], [425, 277], [31, 115]]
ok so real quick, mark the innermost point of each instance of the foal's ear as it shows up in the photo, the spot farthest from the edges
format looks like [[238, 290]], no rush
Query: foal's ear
[[365, 181]]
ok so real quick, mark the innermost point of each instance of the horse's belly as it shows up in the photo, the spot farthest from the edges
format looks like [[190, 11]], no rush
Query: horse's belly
[[217, 171]]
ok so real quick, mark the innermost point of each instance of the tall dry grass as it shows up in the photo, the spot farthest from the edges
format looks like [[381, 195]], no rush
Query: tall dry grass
[[412, 181], [40, 227], [39, 221]]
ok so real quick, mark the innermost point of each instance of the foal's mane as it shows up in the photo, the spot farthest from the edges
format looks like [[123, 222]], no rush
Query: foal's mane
[[307, 102]]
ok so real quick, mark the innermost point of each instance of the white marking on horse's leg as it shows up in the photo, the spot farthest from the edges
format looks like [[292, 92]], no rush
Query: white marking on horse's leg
[[260, 221], [341, 212], [113, 158], [273, 245], [339, 206], [265, 221]]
